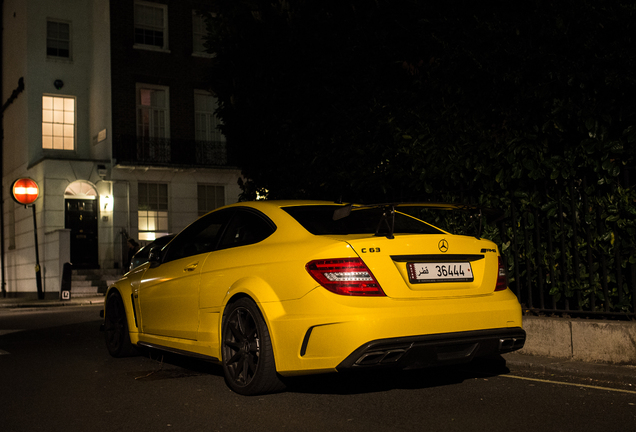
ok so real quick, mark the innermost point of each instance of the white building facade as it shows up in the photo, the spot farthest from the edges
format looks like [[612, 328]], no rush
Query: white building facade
[[114, 125]]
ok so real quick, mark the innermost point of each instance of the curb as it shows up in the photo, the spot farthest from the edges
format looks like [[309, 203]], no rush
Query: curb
[[20, 303], [581, 340]]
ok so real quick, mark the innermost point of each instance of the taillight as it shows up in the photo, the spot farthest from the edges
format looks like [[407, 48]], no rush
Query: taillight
[[345, 276], [502, 279]]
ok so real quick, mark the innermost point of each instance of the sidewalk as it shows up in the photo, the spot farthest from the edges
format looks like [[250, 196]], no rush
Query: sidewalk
[[541, 337]]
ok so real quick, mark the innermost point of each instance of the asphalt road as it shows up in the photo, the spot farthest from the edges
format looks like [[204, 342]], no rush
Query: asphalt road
[[56, 375]]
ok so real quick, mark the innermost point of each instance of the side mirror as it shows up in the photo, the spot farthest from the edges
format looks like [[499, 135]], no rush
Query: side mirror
[[154, 257]]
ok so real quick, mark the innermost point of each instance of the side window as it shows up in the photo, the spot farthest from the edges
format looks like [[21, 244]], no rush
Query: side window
[[246, 228], [200, 237]]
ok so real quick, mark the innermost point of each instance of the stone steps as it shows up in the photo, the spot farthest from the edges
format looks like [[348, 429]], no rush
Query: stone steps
[[92, 282]]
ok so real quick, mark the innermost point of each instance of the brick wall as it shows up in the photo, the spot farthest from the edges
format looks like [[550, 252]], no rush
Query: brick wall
[[178, 69]]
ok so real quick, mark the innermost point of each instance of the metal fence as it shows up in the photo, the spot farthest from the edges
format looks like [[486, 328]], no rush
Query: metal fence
[[569, 245], [572, 256]]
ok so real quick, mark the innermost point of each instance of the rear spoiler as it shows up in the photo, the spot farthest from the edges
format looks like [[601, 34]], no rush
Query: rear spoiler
[[388, 213]]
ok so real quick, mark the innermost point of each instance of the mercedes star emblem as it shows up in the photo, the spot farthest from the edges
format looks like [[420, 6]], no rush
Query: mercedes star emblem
[[443, 245]]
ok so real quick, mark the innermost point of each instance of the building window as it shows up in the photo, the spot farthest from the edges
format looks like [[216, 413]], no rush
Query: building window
[[58, 39], [210, 197], [58, 123], [152, 111], [205, 121], [199, 32], [211, 148], [151, 25], [152, 210]]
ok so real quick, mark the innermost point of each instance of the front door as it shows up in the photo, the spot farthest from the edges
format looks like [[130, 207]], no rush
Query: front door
[[81, 219], [169, 298]]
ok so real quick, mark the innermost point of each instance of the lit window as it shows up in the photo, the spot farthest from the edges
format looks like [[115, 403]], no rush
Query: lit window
[[205, 121], [58, 39], [152, 210], [152, 111], [151, 25], [58, 123], [210, 197]]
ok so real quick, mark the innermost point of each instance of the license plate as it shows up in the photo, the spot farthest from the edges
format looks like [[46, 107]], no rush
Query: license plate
[[440, 272]]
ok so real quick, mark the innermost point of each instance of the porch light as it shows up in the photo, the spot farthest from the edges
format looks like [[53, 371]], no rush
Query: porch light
[[106, 203]]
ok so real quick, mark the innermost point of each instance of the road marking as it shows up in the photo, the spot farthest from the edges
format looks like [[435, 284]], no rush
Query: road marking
[[570, 384]]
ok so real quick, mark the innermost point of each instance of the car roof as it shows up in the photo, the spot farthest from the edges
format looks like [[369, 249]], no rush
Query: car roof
[[282, 203]]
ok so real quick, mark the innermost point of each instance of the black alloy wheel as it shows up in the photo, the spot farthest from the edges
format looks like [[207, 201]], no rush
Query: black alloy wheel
[[248, 358], [116, 327]]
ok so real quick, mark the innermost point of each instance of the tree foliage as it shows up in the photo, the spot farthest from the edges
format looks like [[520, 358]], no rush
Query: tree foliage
[[402, 99], [526, 106]]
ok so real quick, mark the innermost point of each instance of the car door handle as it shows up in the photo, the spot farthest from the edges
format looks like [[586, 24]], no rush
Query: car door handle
[[191, 267]]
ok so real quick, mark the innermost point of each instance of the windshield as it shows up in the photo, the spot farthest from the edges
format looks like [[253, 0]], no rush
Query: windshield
[[318, 220]]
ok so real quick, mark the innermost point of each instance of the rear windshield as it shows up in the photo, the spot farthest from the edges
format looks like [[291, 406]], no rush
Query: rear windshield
[[318, 220]]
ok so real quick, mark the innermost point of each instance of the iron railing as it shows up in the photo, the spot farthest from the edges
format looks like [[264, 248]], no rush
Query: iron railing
[[573, 257], [140, 151], [569, 246]]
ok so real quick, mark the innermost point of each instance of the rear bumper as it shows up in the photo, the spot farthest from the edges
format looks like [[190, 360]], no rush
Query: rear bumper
[[434, 350], [323, 332]]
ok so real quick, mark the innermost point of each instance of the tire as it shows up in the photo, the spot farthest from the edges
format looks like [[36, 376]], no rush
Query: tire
[[246, 348], [116, 328]]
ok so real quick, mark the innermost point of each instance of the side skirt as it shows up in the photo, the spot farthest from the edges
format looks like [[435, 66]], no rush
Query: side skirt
[[178, 351]]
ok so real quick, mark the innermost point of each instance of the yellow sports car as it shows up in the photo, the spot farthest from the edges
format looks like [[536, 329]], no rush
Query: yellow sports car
[[280, 288]]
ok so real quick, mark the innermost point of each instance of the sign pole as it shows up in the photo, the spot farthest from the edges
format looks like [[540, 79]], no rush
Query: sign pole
[[38, 273], [25, 191]]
